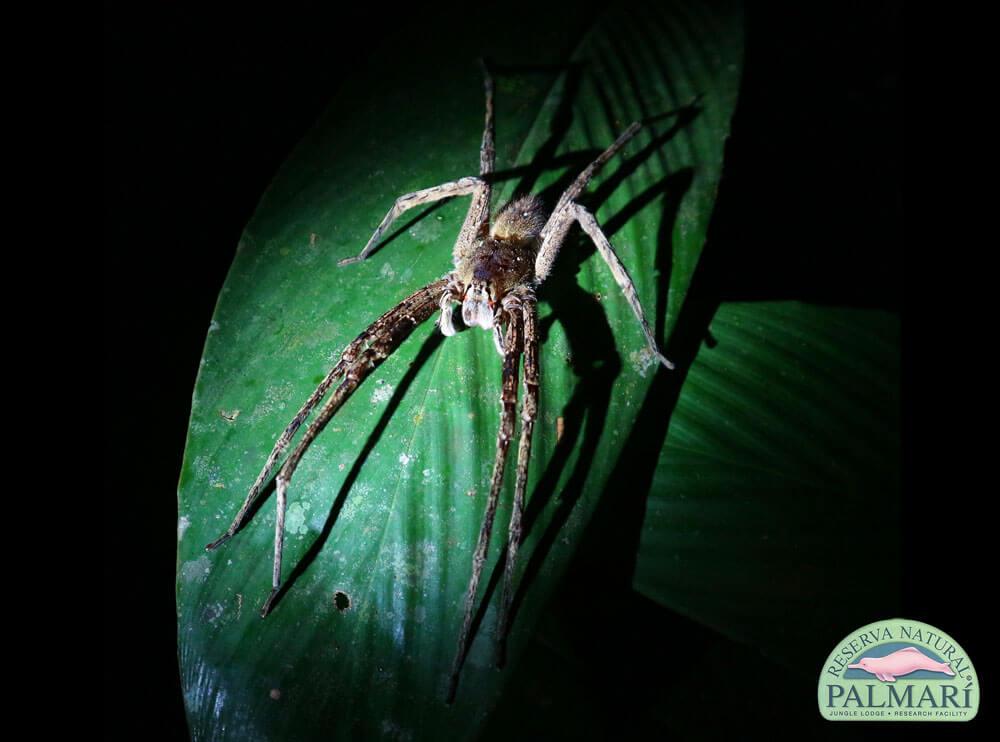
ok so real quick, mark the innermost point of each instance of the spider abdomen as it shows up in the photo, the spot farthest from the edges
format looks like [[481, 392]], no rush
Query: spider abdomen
[[521, 220]]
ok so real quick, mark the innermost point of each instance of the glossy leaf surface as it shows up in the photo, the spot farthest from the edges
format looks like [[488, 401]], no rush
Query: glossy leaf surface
[[386, 506], [774, 511]]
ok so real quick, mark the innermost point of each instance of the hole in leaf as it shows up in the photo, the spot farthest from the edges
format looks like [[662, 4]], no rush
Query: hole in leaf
[[341, 600]]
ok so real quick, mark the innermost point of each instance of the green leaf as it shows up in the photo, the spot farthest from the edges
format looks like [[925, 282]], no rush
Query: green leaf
[[385, 508], [774, 511]]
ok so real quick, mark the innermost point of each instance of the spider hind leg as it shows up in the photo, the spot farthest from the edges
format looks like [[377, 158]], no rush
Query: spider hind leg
[[567, 211]]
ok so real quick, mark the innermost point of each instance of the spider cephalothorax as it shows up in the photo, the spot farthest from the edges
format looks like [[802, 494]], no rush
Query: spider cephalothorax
[[501, 258], [497, 269]]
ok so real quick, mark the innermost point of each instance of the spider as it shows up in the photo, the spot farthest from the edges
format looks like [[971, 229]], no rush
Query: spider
[[498, 266]]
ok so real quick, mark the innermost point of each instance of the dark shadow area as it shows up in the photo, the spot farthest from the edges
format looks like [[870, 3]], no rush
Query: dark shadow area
[[201, 105], [816, 156], [606, 557], [637, 656], [561, 121], [610, 665], [597, 362], [809, 208]]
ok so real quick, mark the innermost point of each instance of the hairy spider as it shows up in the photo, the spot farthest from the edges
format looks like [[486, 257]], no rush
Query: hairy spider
[[498, 266]]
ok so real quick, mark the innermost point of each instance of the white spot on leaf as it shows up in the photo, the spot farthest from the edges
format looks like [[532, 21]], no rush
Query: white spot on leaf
[[382, 393], [295, 522], [642, 359], [196, 570]]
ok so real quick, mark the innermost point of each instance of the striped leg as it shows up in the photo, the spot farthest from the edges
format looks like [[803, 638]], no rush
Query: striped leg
[[360, 358], [529, 411], [401, 322], [478, 187], [508, 405], [555, 229], [487, 151], [350, 355], [478, 217], [462, 187], [622, 278], [568, 211]]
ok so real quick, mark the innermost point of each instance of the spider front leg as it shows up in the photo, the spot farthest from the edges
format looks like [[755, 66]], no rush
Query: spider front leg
[[361, 357], [462, 187], [403, 320], [347, 358], [508, 404], [478, 187], [529, 411]]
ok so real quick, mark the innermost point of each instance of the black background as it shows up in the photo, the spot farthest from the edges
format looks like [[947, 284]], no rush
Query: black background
[[203, 103]]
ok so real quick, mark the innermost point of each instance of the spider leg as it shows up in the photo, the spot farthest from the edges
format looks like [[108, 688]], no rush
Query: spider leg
[[568, 211], [529, 411], [452, 293], [381, 339], [401, 322], [555, 229], [622, 278], [508, 404], [478, 187], [347, 359], [478, 217], [487, 151], [461, 187]]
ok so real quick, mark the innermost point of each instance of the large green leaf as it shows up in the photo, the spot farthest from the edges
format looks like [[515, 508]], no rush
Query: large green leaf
[[774, 511], [386, 505]]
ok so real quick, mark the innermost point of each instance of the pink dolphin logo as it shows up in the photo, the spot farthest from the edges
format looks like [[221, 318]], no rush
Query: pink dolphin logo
[[901, 662]]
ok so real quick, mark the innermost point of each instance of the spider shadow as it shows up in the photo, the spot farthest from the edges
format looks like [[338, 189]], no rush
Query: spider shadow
[[545, 156], [598, 364], [595, 598], [595, 361], [546, 159]]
